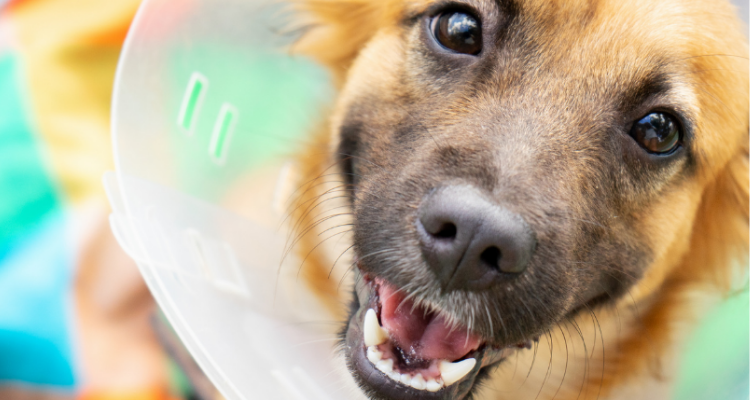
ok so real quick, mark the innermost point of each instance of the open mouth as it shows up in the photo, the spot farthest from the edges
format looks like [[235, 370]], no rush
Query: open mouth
[[401, 349]]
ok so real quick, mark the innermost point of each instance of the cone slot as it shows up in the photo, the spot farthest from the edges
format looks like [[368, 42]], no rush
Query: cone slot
[[222, 133], [192, 101]]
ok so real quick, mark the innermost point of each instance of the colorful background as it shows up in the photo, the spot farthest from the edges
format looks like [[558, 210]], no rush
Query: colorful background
[[75, 317]]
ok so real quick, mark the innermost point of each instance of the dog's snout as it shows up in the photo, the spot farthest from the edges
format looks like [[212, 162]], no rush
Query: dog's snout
[[470, 242]]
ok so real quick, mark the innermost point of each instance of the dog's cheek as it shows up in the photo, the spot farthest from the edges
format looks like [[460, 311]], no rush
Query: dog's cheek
[[371, 82], [665, 227]]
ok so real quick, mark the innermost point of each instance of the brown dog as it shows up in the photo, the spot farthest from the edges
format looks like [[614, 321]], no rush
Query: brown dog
[[534, 190]]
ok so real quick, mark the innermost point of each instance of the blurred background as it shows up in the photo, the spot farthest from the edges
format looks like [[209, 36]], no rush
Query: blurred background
[[76, 320]]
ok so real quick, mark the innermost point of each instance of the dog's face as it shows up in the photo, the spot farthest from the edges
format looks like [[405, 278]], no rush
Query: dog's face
[[515, 162]]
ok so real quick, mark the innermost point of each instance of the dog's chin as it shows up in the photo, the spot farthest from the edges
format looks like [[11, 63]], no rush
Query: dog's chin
[[398, 349]]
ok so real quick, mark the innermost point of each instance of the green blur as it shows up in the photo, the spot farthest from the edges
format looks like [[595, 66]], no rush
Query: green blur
[[716, 364]]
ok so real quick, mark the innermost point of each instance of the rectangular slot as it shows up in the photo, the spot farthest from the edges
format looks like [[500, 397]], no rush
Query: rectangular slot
[[192, 101], [222, 133]]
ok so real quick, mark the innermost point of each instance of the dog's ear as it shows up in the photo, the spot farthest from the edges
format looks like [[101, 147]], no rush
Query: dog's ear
[[719, 247], [336, 30]]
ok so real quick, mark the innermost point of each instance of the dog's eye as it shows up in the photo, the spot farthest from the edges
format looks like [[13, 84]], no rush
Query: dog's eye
[[657, 132], [459, 32]]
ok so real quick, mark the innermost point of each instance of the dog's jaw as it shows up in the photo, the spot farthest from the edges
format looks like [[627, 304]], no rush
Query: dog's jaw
[[437, 368]]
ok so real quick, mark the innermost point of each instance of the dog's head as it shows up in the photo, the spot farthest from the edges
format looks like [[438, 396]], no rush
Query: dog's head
[[514, 162]]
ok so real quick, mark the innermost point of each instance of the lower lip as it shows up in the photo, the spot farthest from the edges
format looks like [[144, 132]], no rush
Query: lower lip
[[376, 380], [365, 371]]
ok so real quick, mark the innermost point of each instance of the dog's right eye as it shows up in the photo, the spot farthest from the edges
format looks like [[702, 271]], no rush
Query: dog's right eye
[[458, 31]]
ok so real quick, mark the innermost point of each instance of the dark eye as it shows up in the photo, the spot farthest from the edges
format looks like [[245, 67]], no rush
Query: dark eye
[[657, 132], [459, 32]]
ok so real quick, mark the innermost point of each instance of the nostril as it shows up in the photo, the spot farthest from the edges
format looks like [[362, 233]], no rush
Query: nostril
[[469, 241], [491, 256], [446, 231]]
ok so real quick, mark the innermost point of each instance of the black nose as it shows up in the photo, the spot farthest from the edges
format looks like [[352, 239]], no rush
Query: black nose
[[470, 242]]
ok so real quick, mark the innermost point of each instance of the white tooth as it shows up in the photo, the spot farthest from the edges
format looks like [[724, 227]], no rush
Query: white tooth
[[452, 372], [385, 365], [405, 379], [374, 334], [433, 385], [418, 382], [373, 354], [395, 376]]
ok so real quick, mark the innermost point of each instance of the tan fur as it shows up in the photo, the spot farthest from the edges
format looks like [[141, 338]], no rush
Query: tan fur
[[701, 228], [316, 186]]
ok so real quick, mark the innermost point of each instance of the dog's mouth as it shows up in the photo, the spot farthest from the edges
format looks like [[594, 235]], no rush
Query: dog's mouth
[[398, 348]]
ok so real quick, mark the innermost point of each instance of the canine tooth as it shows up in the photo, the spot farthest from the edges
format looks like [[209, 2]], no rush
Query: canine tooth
[[373, 354], [374, 334], [432, 385], [418, 382], [386, 366], [405, 379], [452, 372]]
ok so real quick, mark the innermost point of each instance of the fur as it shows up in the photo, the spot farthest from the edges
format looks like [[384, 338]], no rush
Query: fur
[[668, 235]]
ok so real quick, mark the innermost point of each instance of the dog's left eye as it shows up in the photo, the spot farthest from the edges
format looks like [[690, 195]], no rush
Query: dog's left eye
[[657, 132], [458, 31]]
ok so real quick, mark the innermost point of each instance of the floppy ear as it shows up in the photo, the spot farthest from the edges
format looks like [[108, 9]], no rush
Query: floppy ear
[[719, 247], [336, 30]]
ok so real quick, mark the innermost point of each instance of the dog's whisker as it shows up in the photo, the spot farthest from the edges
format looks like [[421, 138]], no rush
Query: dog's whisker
[[584, 379], [337, 226], [533, 360], [549, 365], [338, 258], [567, 360], [713, 55], [718, 69], [310, 184], [310, 227], [314, 202]]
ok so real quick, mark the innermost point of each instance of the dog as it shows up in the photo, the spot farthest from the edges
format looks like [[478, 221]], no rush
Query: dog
[[536, 196]]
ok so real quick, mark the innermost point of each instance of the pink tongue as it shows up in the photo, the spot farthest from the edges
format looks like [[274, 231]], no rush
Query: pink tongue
[[421, 334]]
